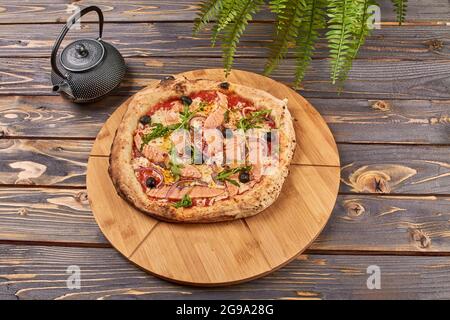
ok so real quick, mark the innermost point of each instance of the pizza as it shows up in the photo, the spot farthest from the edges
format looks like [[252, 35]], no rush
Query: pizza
[[202, 150]]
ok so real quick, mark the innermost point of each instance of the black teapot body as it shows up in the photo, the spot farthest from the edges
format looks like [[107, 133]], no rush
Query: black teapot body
[[87, 69]]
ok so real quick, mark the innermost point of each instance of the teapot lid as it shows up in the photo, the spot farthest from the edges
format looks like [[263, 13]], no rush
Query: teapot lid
[[82, 55]]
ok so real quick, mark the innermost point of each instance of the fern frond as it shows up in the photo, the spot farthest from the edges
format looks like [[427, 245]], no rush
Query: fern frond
[[288, 22], [245, 9], [208, 10], [342, 19], [360, 32], [225, 17], [276, 6], [400, 9], [313, 20]]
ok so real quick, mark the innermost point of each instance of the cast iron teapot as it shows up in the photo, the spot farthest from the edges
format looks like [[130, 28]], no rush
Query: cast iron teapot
[[87, 69]]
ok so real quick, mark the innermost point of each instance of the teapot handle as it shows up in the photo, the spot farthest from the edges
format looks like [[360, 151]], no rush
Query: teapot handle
[[70, 22]]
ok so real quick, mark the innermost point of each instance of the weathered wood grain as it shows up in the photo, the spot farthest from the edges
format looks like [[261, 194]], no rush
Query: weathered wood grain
[[44, 162], [48, 215], [388, 223], [397, 223], [369, 79], [39, 11], [31, 272], [394, 169], [351, 120], [40, 116], [176, 40]]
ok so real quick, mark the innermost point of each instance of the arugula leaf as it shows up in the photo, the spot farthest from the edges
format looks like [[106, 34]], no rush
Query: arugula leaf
[[226, 116], [233, 182], [158, 131], [162, 131], [227, 173], [175, 169], [183, 203], [253, 119]]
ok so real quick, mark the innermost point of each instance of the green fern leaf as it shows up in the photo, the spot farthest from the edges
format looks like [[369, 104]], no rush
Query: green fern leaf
[[313, 20], [276, 6], [342, 19], [225, 17], [360, 31], [245, 9], [208, 10], [400, 9], [288, 23]]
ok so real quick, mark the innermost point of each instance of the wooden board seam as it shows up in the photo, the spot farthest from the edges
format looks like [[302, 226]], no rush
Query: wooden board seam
[[143, 240]]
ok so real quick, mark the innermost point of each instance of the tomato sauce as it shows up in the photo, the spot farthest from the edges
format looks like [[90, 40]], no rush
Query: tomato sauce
[[164, 105], [205, 95], [234, 99]]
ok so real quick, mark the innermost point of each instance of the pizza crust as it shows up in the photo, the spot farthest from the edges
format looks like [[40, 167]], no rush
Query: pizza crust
[[262, 195]]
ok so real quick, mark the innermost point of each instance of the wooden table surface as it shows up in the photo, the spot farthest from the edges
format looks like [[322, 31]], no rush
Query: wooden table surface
[[391, 122]]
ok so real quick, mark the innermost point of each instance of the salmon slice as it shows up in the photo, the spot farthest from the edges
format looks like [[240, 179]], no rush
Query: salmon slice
[[222, 100], [138, 141], [205, 192], [246, 186], [232, 189], [177, 193], [189, 171], [171, 117], [215, 118], [159, 193], [153, 153]]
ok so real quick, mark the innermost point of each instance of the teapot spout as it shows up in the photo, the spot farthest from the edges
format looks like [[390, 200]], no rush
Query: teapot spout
[[63, 87]]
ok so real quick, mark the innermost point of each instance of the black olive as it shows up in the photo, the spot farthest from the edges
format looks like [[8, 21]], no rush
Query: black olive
[[186, 100], [224, 85], [269, 136], [244, 177], [150, 182], [145, 119]]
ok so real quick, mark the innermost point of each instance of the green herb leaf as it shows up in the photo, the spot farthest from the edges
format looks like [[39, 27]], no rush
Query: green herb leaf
[[159, 130], [226, 116], [183, 203], [225, 174], [175, 169], [253, 119]]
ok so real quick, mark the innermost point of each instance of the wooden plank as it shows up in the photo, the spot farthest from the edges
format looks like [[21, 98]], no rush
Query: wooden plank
[[387, 223], [394, 169], [176, 40], [49, 216], [35, 272], [44, 162], [40, 116], [390, 169], [39, 11], [351, 120], [369, 79], [358, 223]]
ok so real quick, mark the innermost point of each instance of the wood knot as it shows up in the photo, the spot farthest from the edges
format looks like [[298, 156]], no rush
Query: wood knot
[[422, 240], [82, 197], [22, 211], [381, 105], [435, 45], [354, 209], [379, 178]]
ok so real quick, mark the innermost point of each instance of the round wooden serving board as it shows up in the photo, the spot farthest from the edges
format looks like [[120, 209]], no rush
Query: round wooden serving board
[[227, 252]]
